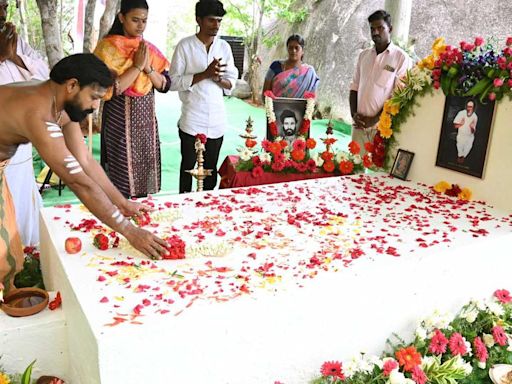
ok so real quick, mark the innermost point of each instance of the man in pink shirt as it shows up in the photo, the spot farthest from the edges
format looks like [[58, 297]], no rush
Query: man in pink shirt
[[378, 69]]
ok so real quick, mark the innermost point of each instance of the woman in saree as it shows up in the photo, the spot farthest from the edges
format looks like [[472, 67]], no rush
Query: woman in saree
[[291, 77], [130, 143]]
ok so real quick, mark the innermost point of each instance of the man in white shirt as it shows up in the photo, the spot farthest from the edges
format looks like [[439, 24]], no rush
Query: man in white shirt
[[465, 123], [19, 62], [377, 72], [203, 71]]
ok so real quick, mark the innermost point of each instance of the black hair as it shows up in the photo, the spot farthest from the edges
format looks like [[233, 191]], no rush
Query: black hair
[[471, 100], [209, 8], [380, 15], [298, 38], [287, 113], [85, 67], [126, 6]]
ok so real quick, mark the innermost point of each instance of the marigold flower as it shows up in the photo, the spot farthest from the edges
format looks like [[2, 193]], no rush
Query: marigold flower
[[328, 166], [465, 194], [442, 186], [310, 143], [503, 296], [354, 147], [391, 108], [4, 379], [346, 167], [298, 155], [408, 358], [438, 46], [385, 132], [385, 120], [333, 369]]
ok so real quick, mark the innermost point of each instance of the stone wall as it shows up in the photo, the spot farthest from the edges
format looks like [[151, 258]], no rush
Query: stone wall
[[337, 30]]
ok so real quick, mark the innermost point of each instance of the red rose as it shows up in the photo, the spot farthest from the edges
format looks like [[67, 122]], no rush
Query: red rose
[[142, 220], [201, 137], [249, 143], [101, 241], [368, 147], [304, 128], [257, 171], [367, 161], [311, 165], [273, 129], [175, 248]]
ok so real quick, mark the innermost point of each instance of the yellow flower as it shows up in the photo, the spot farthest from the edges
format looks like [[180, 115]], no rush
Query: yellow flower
[[384, 120], [438, 46], [4, 379], [465, 194], [391, 108], [442, 186], [385, 132], [427, 62]]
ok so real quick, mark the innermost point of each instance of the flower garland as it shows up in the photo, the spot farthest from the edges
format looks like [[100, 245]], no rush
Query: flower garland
[[453, 190], [446, 349], [473, 69]]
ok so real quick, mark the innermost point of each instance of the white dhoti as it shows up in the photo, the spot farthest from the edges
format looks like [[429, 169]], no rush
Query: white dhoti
[[464, 144], [25, 195]]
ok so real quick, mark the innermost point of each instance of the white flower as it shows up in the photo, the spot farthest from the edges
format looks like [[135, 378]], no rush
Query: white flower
[[357, 159], [245, 153], [341, 156], [488, 340], [350, 368], [460, 363], [318, 160], [397, 377], [438, 320], [427, 361], [287, 155], [265, 157], [468, 347], [496, 308], [481, 364], [481, 305], [421, 333]]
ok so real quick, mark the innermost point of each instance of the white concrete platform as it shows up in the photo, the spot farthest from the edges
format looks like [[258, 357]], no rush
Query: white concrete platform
[[40, 337], [245, 326]]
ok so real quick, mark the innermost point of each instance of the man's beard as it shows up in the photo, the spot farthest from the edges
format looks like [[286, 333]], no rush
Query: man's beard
[[75, 113], [289, 132]]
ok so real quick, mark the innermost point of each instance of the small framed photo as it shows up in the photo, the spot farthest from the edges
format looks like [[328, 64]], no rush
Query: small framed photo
[[402, 164], [289, 117], [465, 135]]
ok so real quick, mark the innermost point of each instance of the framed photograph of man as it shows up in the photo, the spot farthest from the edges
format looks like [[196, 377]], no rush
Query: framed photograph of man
[[289, 116], [465, 134], [402, 164]]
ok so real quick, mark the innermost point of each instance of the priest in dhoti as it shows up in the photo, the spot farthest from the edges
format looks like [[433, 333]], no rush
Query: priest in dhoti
[[19, 62]]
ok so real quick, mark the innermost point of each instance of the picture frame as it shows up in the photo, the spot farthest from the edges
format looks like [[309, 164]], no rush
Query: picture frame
[[289, 114], [465, 135], [402, 164]]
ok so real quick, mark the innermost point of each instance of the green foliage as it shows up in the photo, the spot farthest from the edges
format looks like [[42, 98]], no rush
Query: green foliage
[[30, 275], [27, 375]]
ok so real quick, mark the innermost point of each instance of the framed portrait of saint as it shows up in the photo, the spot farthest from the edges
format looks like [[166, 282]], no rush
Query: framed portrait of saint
[[289, 118], [465, 134], [402, 164]]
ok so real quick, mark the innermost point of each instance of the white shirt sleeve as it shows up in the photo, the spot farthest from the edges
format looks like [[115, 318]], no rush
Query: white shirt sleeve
[[179, 80], [231, 71], [459, 117], [36, 65]]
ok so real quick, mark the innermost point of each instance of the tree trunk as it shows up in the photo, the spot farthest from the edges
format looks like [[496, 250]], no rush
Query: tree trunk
[[89, 42], [254, 60], [111, 7], [51, 27], [400, 11], [23, 20]]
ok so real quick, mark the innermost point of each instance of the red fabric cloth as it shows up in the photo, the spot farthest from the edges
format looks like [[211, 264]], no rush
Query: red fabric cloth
[[231, 178]]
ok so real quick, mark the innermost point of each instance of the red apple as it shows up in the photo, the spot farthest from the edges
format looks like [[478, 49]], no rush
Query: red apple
[[73, 245]]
